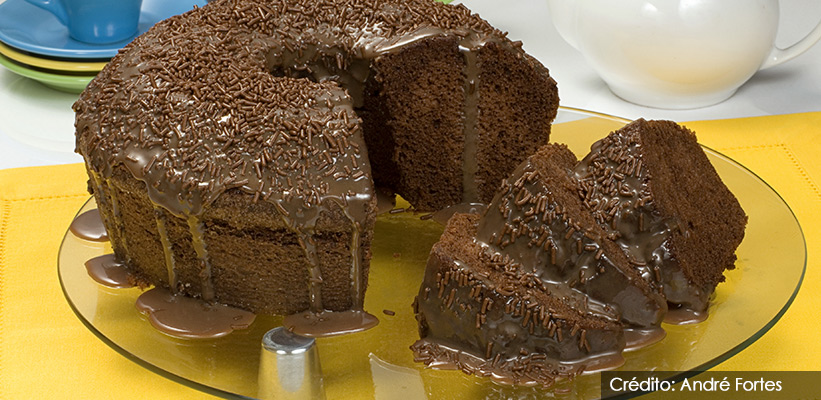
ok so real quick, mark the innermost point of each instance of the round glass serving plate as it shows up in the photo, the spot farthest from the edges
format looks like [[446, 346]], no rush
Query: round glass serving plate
[[378, 363]]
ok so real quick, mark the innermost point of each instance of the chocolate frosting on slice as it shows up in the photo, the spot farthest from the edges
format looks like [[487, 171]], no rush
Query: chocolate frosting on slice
[[617, 185], [539, 222], [485, 315]]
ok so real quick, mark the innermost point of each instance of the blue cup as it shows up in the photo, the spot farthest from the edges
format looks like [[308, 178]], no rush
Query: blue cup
[[95, 21]]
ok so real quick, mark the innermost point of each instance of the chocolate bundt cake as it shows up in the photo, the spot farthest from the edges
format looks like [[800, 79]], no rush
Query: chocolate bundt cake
[[571, 258], [234, 150], [653, 189]]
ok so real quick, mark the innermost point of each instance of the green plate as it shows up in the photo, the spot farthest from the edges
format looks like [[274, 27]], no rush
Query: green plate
[[54, 80]]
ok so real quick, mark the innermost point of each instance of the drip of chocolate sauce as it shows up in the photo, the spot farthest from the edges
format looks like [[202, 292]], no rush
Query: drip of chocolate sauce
[[197, 229], [481, 367], [191, 318], [684, 316], [385, 203], [109, 272], [89, 226], [170, 260], [637, 338], [469, 47], [442, 216], [329, 323]]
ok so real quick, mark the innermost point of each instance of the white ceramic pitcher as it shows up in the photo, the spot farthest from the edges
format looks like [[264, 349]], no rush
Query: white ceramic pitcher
[[675, 53]]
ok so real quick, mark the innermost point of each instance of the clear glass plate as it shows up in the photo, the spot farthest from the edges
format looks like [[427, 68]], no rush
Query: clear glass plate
[[378, 364]]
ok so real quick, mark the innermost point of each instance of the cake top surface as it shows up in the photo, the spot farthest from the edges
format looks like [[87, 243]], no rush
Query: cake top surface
[[194, 107]]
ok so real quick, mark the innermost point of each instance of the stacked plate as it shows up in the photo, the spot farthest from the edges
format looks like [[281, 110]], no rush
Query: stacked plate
[[34, 44]]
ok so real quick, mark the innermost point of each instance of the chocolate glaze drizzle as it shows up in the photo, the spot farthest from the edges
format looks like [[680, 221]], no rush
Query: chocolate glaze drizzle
[[198, 240], [470, 188], [638, 338], [171, 314], [114, 229], [685, 316], [170, 263]]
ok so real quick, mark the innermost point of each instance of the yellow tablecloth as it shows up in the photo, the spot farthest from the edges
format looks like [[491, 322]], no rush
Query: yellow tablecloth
[[46, 352]]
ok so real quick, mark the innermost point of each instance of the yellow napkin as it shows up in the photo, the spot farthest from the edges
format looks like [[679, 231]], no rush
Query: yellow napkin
[[785, 151], [46, 352]]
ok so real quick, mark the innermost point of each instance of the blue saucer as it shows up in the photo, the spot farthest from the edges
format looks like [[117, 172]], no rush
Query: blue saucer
[[32, 29]]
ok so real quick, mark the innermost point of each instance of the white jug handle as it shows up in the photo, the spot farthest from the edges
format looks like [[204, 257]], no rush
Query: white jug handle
[[779, 55], [563, 14]]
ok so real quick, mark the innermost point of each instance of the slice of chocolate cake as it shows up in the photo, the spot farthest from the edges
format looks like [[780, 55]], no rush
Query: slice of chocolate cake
[[571, 257], [651, 186], [535, 278], [482, 314], [538, 220]]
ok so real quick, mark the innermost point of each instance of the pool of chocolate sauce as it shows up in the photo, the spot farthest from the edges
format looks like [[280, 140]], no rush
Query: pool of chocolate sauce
[[194, 318], [89, 226], [109, 272]]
